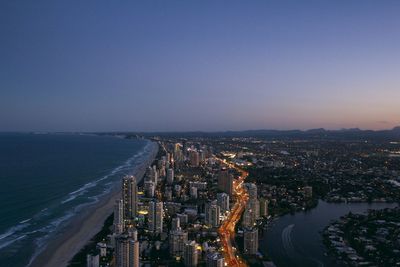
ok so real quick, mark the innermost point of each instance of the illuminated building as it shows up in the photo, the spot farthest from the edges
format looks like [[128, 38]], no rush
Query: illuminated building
[[225, 181], [156, 215], [194, 158], [170, 176], [190, 257], [127, 251], [129, 196], [250, 239], [264, 207], [223, 201], [212, 213], [177, 241], [92, 260], [119, 223]]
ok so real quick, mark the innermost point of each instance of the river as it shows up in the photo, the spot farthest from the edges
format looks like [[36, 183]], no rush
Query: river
[[295, 239]]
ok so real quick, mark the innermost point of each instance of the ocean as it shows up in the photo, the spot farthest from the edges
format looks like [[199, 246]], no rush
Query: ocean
[[46, 179]]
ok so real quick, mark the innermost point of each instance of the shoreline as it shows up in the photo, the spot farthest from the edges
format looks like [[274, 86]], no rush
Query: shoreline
[[288, 218], [78, 232]]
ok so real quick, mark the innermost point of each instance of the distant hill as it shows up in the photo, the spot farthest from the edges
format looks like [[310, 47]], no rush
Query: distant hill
[[319, 133]]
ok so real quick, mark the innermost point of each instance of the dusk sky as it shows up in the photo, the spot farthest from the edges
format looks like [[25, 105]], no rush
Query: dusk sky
[[198, 65]]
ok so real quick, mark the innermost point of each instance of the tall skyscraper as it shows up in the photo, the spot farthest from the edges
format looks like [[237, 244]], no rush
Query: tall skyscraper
[[194, 158], [252, 190], [264, 207], [170, 176], [250, 239], [175, 224], [183, 218], [212, 213], [190, 257], [127, 251], [129, 196], [92, 260], [193, 192], [155, 176], [149, 174], [119, 223], [253, 203], [225, 181], [178, 155], [248, 217], [177, 241], [149, 188], [156, 216], [223, 201]]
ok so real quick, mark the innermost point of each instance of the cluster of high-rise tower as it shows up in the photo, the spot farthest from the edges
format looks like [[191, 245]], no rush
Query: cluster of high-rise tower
[[177, 209]]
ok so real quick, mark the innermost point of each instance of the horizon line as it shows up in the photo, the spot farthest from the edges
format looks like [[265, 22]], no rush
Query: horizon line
[[205, 131]]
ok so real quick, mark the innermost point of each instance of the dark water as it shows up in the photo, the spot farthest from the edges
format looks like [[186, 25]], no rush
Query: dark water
[[295, 240], [45, 179]]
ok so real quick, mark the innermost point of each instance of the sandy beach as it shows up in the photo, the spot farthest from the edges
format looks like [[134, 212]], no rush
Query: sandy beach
[[82, 228]]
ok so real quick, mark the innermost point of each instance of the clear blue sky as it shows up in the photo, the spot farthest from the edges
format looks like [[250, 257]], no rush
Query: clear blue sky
[[198, 65]]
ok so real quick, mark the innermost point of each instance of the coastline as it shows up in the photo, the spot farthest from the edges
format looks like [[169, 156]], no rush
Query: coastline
[[87, 223]]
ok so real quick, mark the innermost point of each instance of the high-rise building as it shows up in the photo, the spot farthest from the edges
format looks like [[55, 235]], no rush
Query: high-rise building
[[215, 260], [178, 155], [155, 174], [264, 207], [212, 213], [250, 239], [102, 247], [175, 224], [202, 155], [255, 206], [133, 233], [149, 174], [251, 190], [129, 196], [190, 257], [253, 203], [177, 241], [223, 202], [248, 217], [170, 176], [119, 223], [225, 181], [127, 251], [198, 185], [92, 260], [194, 158], [183, 218], [178, 190], [149, 188], [168, 193], [156, 215], [193, 192]]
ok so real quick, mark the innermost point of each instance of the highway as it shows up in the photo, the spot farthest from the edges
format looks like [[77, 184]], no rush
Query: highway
[[227, 229]]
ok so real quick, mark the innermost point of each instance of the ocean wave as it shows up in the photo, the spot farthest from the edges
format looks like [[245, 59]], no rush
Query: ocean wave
[[25, 221], [8, 243], [84, 187], [13, 230], [128, 166]]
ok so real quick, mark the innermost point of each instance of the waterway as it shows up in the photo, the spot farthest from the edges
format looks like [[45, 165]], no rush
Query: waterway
[[295, 239]]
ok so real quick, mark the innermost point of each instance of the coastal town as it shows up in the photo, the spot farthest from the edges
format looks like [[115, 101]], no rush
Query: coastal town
[[371, 239], [209, 201], [184, 212]]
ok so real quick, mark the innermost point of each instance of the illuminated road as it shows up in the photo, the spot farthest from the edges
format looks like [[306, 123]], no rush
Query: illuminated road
[[227, 229]]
